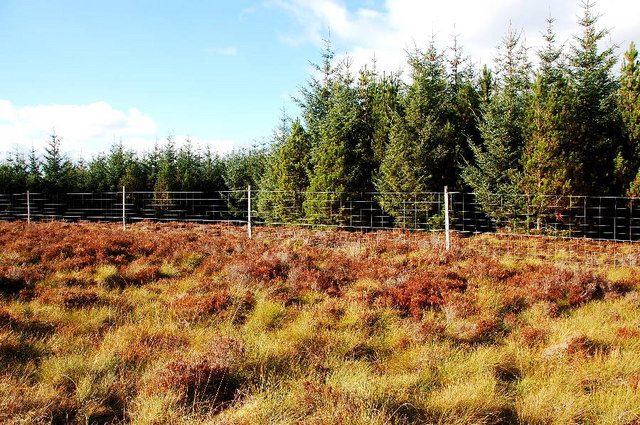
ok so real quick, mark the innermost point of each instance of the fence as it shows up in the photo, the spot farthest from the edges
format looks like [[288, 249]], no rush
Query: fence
[[550, 219]]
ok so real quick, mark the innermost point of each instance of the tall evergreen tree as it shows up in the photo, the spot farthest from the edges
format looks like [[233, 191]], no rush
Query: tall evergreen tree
[[34, 171], [56, 167], [596, 135], [422, 148], [629, 104], [286, 175], [496, 167], [13, 174], [188, 167], [211, 172], [548, 133], [166, 177]]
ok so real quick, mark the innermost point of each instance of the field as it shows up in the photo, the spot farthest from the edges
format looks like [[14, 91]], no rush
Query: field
[[190, 324]]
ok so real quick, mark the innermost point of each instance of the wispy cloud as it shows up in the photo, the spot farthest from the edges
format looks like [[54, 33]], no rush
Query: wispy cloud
[[247, 12], [387, 31], [225, 51], [87, 130]]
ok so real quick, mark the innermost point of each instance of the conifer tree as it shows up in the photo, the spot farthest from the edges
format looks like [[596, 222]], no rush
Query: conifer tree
[[496, 168], [98, 180], [596, 135], [13, 174], [34, 171], [421, 138], [166, 177], [187, 167], [547, 148], [56, 167], [335, 155], [629, 104], [211, 172], [286, 175]]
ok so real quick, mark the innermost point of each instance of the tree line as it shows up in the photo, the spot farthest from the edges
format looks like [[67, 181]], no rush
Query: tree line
[[570, 125]]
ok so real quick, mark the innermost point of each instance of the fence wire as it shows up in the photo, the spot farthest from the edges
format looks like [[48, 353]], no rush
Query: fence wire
[[561, 228]]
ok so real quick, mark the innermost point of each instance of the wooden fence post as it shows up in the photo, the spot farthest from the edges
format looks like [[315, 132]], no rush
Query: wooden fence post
[[124, 211], [446, 219], [28, 207], [249, 230]]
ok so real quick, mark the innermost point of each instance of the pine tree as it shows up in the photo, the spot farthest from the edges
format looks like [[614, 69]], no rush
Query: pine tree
[[286, 175], [188, 167], [56, 167], [629, 105], [547, 148], [337, 151], [212, 172], [496, 168], [596, 136], [418, 143], [34, 171], [166, 178]]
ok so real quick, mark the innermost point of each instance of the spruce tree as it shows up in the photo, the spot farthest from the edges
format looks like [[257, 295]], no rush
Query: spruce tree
[[98, 174], [629, 105], [334, 155], [286, 176], [56, 167], [496, 167], [188, 167], [547, 148], [597, 131], [212, 172], [34, 171], [166, 177], [418, 142]]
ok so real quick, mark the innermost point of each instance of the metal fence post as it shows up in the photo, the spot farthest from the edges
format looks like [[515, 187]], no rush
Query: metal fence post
[[124, 211], [249, 230], [446, 218], [28, 207]]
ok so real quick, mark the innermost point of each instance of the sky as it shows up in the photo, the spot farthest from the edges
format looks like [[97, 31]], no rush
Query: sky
[[221, 73]]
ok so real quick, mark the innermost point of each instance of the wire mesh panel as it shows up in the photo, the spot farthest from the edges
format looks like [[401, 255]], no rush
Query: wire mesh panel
[[355, 211]]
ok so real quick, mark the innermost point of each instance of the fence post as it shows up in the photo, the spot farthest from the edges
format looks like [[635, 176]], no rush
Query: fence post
[[446, 219], [124, 211], [249, 230], [28, 207]]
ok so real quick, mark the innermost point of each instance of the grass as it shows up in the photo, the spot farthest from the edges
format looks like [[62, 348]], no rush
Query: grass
[[188, 324]]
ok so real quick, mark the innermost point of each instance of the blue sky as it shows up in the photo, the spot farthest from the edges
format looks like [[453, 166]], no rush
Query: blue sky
[[221, 71]]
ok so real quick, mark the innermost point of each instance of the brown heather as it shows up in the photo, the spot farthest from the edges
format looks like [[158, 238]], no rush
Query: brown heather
[[189, 324]]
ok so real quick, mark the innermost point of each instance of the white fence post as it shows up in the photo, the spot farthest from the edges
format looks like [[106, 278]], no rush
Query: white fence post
[[249, 230], [124, 211], [446, 219], [28, 207]]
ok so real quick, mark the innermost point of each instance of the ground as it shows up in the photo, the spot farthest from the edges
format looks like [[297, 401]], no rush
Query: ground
[[193, 324]]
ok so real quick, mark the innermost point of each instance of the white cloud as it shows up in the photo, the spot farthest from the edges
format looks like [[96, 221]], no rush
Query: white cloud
[[86, 130], [480, 26], [225, 51]]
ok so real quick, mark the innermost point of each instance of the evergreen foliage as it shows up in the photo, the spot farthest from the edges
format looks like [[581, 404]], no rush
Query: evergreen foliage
[[629, 104], [56, 167], [286, 175], [496, 168], [597, 129], [548, 133]]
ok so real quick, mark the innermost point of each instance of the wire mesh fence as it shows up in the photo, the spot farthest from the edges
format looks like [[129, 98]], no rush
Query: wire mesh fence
[[556, 227]]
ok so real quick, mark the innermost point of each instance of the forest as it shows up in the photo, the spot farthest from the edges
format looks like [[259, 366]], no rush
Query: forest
[[568, 124]]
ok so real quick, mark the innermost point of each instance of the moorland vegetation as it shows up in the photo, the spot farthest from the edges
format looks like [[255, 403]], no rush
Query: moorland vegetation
[[191, 324]]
